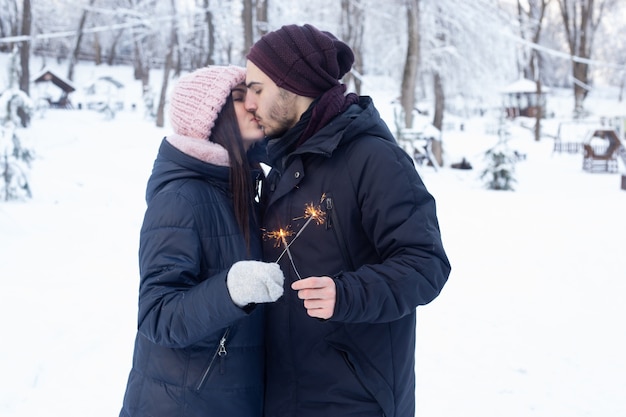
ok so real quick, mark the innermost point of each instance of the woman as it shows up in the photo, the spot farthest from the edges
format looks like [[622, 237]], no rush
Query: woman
[[199, 345]]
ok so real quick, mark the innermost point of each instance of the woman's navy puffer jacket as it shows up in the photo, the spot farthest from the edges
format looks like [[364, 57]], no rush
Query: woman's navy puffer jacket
[[196, 353]]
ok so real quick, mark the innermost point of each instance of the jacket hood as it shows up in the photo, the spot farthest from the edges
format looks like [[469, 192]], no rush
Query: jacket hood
[[182, 157], [358, 119]]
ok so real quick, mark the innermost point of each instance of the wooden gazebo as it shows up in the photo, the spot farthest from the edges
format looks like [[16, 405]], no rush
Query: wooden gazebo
[[65, 86], [520, 98]]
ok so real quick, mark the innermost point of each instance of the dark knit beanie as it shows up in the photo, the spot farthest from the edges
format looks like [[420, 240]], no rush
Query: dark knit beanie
[[302, 59]]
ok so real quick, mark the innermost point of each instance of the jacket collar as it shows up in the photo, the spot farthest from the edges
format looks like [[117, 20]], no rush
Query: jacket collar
[[204, 150]]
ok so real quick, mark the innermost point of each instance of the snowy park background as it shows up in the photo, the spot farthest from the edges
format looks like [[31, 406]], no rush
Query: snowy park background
[[531, 322]]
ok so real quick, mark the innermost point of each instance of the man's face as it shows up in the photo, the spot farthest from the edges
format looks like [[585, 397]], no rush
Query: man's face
[[274, 108]]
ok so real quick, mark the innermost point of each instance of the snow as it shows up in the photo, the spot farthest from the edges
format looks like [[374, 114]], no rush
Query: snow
[[523, 85], [531, 322]]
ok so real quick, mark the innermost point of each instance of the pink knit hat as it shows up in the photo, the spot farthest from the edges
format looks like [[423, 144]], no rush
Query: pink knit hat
[[199, 96]]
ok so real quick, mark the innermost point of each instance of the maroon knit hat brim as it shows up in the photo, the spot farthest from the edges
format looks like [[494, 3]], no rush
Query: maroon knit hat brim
[[302, 59]]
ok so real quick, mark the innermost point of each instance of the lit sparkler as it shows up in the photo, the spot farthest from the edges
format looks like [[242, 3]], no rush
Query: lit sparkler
[[311, 213], [280, 236]]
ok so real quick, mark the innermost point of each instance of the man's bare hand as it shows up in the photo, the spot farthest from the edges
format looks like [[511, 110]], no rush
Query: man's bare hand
[[319, 295]]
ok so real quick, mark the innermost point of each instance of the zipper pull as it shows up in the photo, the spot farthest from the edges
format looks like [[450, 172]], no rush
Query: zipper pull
[[221, 352], [222, 349], [329, 210]]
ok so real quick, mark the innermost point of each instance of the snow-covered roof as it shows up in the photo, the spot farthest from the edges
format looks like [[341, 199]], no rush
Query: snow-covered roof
[[47, 75], [523, 85], [110, 80]]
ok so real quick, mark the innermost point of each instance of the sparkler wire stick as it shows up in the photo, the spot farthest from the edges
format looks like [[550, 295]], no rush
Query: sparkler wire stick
[[310, 213], [293, 264], [286, 250]]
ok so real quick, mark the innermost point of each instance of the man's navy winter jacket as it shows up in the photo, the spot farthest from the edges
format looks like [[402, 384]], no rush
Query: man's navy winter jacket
[[380, 239]]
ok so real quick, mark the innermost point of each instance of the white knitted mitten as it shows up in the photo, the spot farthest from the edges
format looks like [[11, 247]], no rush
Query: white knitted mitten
[[254, 282]]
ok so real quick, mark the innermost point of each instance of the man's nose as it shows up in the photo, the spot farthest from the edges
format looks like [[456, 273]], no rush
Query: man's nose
[[249, 103]]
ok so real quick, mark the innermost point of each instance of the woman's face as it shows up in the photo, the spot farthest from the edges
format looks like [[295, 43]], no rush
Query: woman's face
[[250, 130]]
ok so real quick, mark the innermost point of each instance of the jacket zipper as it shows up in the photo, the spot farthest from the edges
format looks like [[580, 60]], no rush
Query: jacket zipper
[[221, 352], [332, 222], [329, 212]]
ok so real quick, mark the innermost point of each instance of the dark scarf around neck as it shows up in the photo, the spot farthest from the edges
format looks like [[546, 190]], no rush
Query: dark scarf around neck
[[329, 105], [324, 109]]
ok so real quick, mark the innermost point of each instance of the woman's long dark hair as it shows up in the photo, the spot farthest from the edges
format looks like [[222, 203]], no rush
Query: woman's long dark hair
[[226, 133]]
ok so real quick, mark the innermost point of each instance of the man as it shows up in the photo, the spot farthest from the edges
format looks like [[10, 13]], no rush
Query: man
[[354, 229]]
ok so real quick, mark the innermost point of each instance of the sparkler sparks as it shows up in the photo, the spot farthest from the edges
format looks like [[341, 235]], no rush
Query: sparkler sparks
[[280, 236], [311, 213]]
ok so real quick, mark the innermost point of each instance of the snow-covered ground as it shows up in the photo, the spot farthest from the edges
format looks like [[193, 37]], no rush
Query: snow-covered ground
[[531, 323]]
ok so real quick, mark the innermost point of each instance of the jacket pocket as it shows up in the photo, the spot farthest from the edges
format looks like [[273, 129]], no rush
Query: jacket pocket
[[363, 369], [332, 222], [219, 354]]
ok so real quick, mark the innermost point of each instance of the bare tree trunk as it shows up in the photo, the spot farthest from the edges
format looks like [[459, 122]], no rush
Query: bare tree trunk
[[409, 77], [541, 105], [521, 62], [9, 26], [141, 64], [79, 39], [169, 63], [208, 18], [352, 18], [142, 69], [580, 72], [113, 48], [97, 46], [580, 27], [247, 16], [439, 101], [437, 149], [531, 22], [25, 47], [262, 23]]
